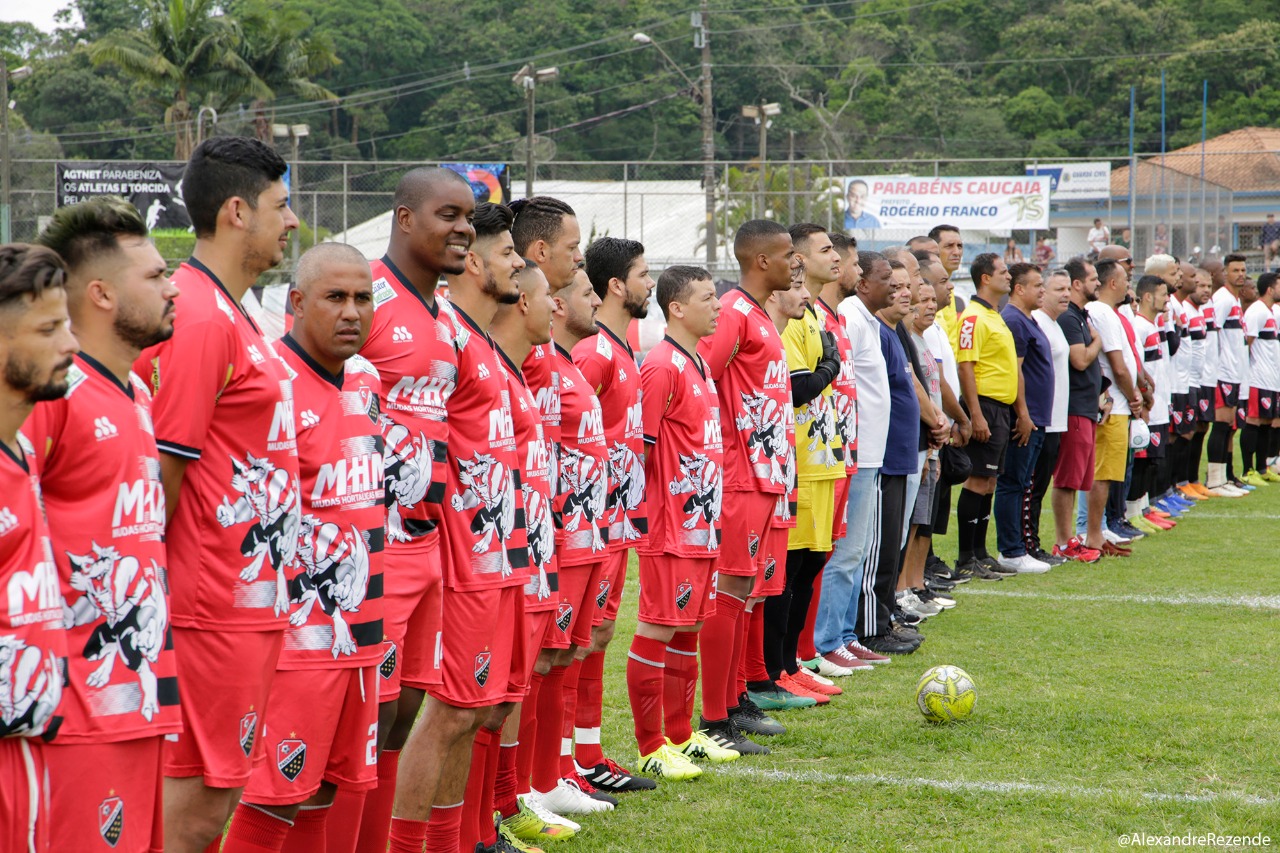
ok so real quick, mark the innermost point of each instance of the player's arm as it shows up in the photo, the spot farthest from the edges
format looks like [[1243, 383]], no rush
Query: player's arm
[[808, 383], [969, 390], [172, 470], [1023, 428], [719, 348], [1124, 381], [657, 388], [951, 405], [592, 365]]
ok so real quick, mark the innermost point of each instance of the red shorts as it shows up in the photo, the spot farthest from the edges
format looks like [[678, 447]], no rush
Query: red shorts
[[1074, 469], [107, 796], [535, 631], [676, 590], [615, 576], [745, 525], [322, 726], [557, 636], [226, 681], [839, 524], [411, 616], [481, 648], [24, 795], [580, 589], [773, 577], [1262, 404]]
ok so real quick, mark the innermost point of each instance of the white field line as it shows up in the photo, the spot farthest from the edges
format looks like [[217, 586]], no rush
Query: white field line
[[1244, 516], [1255, 602], [979, 787]]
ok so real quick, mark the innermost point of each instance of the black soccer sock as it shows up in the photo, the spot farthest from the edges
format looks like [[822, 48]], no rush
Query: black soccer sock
[[1248, 446], [980, 529], [1194, 455], [1263, 449], [1219, 440], [1163, 476], [1138, 482], [1176, 460], [968, 510]]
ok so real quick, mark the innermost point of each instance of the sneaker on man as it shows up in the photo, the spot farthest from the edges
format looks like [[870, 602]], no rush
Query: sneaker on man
[[1078, 551], [938, 599], [865, 654], [974, 569], [1111, 550], [1113, 537], [748, 717], [580, 782], [611, 776], [1045, 557], [887, 644], [568, 799], [667, 763], [1024, 564], [909, 603], [700, 747], [528, 825], [534, 803], [993, 564], [827, 666], [936, 584]]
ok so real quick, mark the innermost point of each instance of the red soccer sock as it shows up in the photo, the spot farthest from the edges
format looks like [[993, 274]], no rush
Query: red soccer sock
[[546, 743], [753, 668], [473, 799], [408, 836], [528, 733], [504, 784], [308, 833], [342, 829], [586, 733], [805, 649], [720, 633], [378, 802], [488, 833], [570, 697], [679, 685], [645, 668], [256, 830], [442, 829]]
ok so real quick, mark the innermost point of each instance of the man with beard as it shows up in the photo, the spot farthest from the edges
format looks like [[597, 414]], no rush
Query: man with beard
[[1194, 291], [36, 349], [1233, 364], [1057, 298], [110, 555], [323, 713], [620, 278], [223, 413]]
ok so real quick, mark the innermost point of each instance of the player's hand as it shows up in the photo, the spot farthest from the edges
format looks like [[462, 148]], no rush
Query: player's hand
[[981, 432], [1022, 430], [830, 352], [959, 436]]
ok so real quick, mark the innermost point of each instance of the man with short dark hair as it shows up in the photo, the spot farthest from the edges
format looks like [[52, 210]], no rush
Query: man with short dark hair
[[1232, 364], [1033, 410], [223, 411], [1056, 300], [1145, 486], [1262, 336], [988, 367], [120, 300], [36, 349], [950, 249]]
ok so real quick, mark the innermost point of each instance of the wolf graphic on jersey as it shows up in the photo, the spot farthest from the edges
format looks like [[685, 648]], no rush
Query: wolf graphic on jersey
[[130, 599], [270, 500], [822, 427], [30, 687], [406, 467], [768, 437], [582, 478], [846, 418], [487, 484], [542, 534], [627, 471], [700, 479], [335, 575]]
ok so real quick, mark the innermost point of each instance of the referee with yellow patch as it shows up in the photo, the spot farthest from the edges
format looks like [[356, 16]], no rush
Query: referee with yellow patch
[[988, 368]]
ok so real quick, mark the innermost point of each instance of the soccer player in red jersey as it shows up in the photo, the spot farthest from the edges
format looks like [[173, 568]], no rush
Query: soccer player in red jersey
[[683, 460], [411, 345], [224, 423], [517, 329], [321, 722], [107, 523], [36, 348], [486, 565], [620, 277], [546, 232], [745, 359]]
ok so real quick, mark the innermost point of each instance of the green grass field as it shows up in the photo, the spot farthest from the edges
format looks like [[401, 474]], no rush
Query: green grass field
[[1134, 695]]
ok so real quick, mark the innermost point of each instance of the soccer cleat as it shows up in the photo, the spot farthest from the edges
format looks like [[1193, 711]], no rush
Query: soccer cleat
[[611, 776], [580, 782], [1191, 492], [994, 565], [1166, 510], [667, 763], [816, 683], [865, 654], [535, 805], [975, 569], [508, 841], [567, 798], [1270, 476], [702, 747], [527, 825], [728, 735], [797, 687], [1253, 478], [1242, 485], [1200, 489], [1024, 565], [748, 718], [1162, 523], [1078, 551], [1145, 526], [778, 698]]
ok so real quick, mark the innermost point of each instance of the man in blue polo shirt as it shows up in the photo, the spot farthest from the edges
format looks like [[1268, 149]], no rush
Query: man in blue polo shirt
[[1033, 410]]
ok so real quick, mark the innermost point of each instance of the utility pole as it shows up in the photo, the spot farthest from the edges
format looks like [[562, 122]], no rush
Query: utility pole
[[295, 133], [6, 232], [528, 79], [702, 38], [761, 113]]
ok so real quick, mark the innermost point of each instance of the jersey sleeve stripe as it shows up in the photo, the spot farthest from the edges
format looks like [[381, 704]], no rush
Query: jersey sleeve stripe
[[174, 449]]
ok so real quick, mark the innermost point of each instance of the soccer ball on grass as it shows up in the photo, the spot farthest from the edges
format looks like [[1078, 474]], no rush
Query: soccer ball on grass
[[946, 694]]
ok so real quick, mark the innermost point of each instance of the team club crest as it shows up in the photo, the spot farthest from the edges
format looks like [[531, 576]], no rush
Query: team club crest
[[564, 616], [700, 480], [482, 667], [335, 575], [684, 592], [753, 544], [486, 486], [268, 500], [770, 566], [625, 469], [291, 757], [388, 666], [761, 420], [111, 820], [134, 614], [248, 731]]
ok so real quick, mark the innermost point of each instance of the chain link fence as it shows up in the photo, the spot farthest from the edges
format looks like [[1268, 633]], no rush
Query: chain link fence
[[664, 204]]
